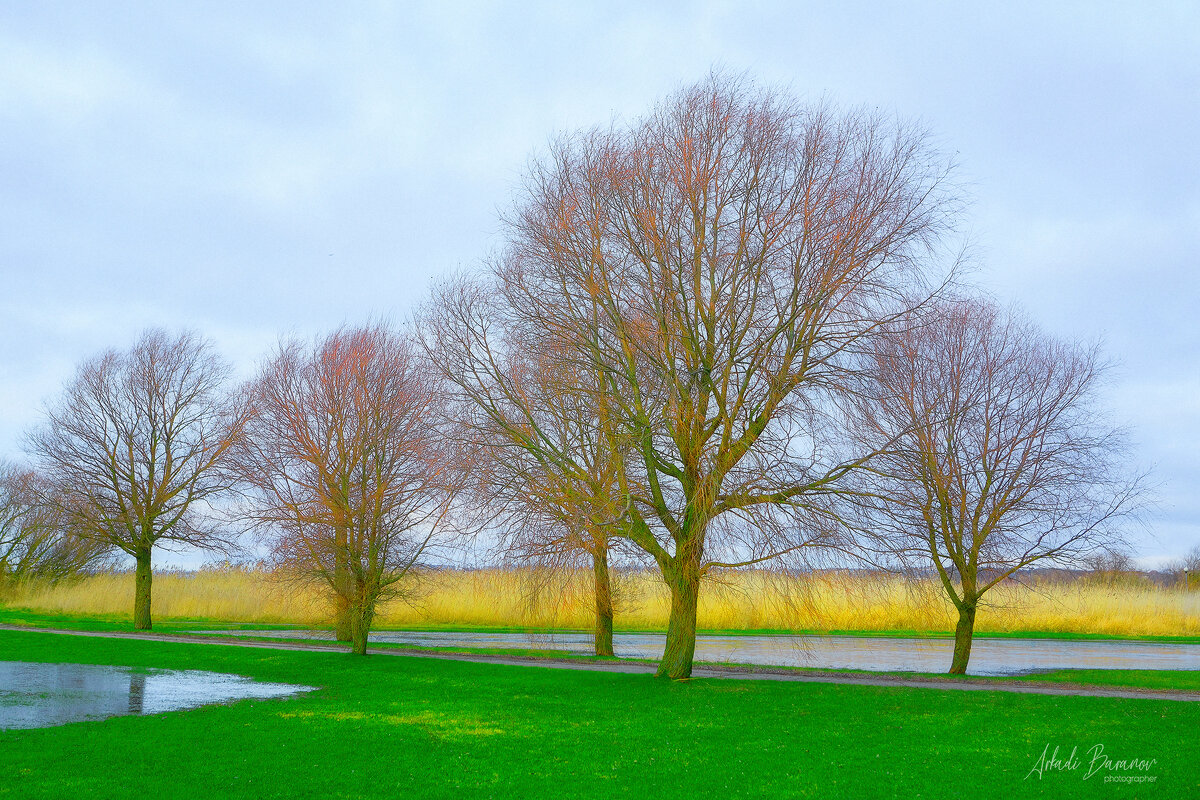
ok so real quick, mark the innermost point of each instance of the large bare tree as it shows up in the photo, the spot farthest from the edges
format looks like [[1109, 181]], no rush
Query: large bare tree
[[994, 454], [716, 263], [135, 448], [35, 540], [351, 472]]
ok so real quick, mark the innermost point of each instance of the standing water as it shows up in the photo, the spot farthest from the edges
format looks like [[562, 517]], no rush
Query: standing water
[[36, 695], [876, 653]]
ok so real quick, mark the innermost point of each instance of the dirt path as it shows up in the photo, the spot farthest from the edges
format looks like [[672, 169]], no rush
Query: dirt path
[[701, 671]]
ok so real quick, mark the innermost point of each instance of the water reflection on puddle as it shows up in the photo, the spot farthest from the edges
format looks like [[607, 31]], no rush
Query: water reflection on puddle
[[988, 656], [35, 695]]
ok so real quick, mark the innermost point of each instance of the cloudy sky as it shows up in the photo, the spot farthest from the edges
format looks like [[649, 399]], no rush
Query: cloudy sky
[[252, 169]]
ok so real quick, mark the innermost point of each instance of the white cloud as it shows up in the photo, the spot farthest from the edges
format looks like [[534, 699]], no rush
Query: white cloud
[[64, 86]]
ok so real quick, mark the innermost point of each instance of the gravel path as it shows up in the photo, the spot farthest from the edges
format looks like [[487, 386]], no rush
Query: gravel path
[[701, 671]]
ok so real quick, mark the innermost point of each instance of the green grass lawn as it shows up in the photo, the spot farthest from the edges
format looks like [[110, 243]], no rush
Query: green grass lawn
[[408, 727]]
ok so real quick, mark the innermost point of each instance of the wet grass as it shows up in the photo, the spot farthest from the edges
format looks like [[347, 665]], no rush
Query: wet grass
[[389, 727], [1163, 680]]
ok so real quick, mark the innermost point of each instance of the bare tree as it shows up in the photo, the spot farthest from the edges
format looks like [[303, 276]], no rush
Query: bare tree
[[995, 454], [35, 541], [1111, 566], [716, 263], [135, 448], [1188, 569], [548, 456], [350, 470]]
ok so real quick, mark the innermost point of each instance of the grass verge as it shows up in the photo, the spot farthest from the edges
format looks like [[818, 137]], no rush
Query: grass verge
[[387, 727]]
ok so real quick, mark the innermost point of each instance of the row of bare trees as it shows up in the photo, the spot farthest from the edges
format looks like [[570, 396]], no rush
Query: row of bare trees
[[726, 334], [333, 453]]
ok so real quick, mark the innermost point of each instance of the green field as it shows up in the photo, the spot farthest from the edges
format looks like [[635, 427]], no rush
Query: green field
[[392, 727]]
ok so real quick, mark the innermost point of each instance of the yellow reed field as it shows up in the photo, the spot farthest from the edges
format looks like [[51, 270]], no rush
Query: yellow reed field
[[209, 594], [753, 600]]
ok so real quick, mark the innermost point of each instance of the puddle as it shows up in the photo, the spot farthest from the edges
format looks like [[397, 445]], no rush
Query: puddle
[[988, 656], [36, 695]]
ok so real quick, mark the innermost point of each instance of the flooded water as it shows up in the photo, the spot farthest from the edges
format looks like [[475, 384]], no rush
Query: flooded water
[[35, 695], [988, 656]]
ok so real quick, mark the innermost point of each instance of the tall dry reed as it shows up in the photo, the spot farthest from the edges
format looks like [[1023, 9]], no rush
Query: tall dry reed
[[756, 600]]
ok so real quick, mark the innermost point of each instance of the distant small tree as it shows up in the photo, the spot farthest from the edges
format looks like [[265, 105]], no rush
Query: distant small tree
[[1110, 567], [994, 456], [349, 469], [1188, 568], [135, 447], [35, 541]]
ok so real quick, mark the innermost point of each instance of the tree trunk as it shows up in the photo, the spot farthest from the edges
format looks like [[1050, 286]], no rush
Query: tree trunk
[[141, 592], [361, 615], [604, 603], [677, 658], [342, 622], [341, 578], [962, 638]]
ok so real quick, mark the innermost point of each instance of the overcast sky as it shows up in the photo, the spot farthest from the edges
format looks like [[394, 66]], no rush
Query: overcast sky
[[252, 169]]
